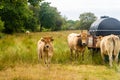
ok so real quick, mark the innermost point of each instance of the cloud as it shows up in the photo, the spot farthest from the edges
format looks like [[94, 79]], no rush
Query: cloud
[[73, 8]]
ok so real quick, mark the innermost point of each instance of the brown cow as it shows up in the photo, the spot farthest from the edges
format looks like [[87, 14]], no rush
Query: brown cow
[[45, 49], [109, 45], [77, 43]]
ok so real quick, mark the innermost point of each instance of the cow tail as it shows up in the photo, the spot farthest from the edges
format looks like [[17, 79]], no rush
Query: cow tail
[[114, 45]]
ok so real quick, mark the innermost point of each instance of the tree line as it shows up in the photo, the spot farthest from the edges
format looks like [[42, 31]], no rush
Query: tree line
[[37, 15]]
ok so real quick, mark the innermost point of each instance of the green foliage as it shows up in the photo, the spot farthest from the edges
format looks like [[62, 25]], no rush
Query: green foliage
[[86, 19], [13, 14], [17, 16], [34, 2], [69, 25], [33, 21], [1, 25], [22, 15], [77, 24], [49, 17]]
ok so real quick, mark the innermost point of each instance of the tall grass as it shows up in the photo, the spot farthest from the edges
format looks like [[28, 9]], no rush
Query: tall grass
[[22, 48]]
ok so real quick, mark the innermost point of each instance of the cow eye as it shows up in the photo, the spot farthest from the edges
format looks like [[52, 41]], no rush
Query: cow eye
[[52, 39], [42, 39], [47, 46]]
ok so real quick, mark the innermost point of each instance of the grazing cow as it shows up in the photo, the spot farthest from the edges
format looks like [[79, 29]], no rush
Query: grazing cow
[[27, 32], [45, 49], [109, 45], [77, 43]]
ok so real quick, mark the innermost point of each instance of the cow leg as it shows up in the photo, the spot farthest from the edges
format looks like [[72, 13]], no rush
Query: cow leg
[[45, 58], [83, 55], [49, 60], [110, 59], [102, 55], [76, 54], [39, 55], [71, 53], [116, 58]]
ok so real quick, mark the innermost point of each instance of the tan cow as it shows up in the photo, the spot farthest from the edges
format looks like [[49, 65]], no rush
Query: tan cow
[[77, 43], [98, 40], [27, 32], [109, 45], [45, 49]]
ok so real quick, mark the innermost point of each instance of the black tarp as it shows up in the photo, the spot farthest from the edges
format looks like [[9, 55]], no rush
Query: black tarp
[[105, 26]]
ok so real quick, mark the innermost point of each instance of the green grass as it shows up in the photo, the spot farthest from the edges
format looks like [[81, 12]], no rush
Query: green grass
[[19, 52], [22, 48]]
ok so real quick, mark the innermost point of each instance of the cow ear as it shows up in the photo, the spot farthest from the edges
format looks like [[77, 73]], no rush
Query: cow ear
[[81, 31], [78, 35], [42, 39], [52, 39]]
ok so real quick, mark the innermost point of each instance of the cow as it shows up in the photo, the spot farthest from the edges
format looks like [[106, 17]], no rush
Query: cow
[[45, 49], [77, 43], [109, 45], [27, 32], [98, 40]]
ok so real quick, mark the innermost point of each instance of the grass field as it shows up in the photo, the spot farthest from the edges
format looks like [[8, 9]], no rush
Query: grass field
[[18, 60]]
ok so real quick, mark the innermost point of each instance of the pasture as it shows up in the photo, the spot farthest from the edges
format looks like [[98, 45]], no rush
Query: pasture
[[19, 60]]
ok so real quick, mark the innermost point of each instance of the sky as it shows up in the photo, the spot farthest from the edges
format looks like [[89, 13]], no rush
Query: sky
[[73, 8]]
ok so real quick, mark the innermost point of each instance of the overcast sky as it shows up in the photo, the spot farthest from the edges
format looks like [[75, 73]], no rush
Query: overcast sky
[[73, 8]]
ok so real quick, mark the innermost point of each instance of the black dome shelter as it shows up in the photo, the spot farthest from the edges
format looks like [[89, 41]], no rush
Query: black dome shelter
[[105, 26]]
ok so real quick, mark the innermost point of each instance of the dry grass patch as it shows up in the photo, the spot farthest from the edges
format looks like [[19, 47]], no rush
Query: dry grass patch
[[59, 72]]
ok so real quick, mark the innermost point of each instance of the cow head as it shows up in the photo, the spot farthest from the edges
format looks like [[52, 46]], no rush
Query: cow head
[[47, 42], [84, 36], [98, 40]]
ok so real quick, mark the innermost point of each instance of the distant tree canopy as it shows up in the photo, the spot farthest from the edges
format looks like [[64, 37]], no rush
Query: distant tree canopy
[[69, 25], [34, 2], [21, 15], [1, 25], [86, 19], [17, 16], [84, 22], [35, 15], [49, 17]]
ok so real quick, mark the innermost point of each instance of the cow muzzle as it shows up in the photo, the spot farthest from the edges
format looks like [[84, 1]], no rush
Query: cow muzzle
[[84, 44], [47, 46]]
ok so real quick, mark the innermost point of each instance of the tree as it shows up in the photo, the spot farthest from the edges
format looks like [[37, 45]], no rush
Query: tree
[[1, 25], [49, 17], [1, 22], [86, 19], [69, 25], [77, 24], [17, 16], [35, 2]]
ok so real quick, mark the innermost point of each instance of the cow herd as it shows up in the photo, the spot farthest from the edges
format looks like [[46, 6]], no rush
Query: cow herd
[[109, 45]]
